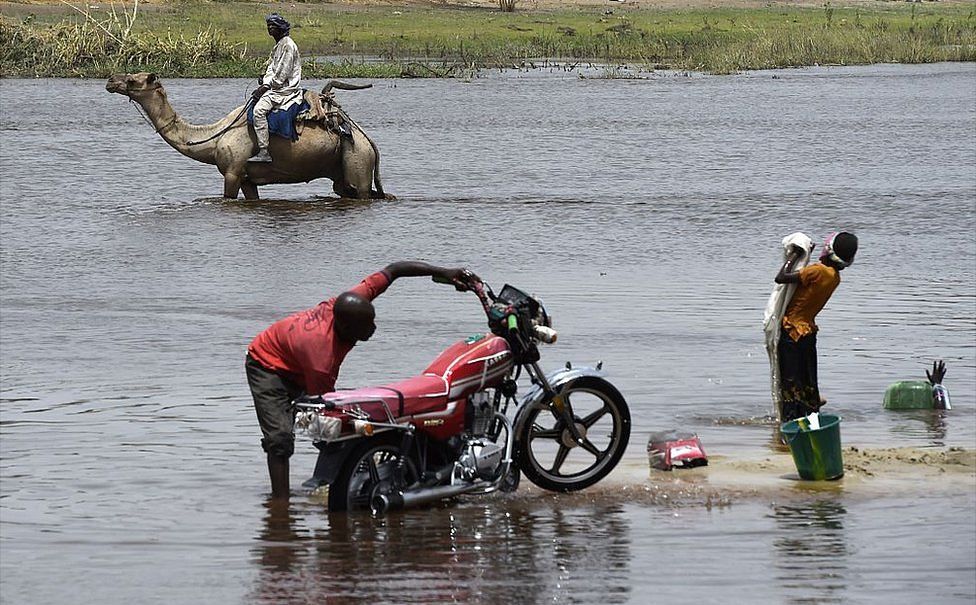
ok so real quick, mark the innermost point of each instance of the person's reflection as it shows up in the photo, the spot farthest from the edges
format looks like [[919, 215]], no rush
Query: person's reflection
[[933, 425], [279, 551], [492, 550], [812, 549]]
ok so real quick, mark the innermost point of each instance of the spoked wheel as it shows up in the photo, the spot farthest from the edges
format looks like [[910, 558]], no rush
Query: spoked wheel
[[368, 469], [551, 458]]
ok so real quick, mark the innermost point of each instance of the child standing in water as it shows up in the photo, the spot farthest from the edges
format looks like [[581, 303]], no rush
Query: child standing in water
[[815, 283]]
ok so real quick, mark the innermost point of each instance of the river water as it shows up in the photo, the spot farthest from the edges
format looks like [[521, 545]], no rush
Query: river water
[[646, 213]]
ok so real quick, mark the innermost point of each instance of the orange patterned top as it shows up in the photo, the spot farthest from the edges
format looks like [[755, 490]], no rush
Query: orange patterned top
[[817, 283]]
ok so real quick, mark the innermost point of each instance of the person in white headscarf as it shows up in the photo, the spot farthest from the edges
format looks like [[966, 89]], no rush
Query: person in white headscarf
[[279, 87]]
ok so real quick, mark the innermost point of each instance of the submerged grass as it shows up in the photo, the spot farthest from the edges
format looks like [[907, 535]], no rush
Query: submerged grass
[[189, 38]]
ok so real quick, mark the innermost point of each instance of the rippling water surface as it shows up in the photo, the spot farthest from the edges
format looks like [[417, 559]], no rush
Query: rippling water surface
[[645, 213]]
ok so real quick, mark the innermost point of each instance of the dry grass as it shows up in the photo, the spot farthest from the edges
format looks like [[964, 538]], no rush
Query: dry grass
[[192, 38]]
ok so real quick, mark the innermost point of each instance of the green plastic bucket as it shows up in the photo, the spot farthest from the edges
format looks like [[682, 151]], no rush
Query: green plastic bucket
[[909, 395], [817, 453]]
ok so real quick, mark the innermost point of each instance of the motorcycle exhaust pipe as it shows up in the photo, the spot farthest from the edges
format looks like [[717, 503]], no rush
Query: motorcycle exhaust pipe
[[381, 503]]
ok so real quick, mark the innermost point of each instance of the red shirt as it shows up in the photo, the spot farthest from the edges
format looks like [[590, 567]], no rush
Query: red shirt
[[304, 345]]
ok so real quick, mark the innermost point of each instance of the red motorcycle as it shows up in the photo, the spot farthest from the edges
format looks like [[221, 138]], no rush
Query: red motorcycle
[[448, 431]]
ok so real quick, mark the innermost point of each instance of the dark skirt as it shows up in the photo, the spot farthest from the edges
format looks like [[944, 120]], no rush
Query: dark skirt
[[798, 376]]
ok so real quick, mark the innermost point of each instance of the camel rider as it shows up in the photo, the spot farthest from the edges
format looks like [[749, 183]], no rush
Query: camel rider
[[279, 84]]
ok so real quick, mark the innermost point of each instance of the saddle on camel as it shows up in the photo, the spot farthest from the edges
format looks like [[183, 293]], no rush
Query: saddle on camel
[[289, 120]]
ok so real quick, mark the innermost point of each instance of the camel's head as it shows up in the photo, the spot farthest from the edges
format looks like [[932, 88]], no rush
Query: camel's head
[[134, 86]]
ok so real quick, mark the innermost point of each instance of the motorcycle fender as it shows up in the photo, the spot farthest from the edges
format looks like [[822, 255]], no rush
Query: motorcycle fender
[[536, 397], [331, 458]]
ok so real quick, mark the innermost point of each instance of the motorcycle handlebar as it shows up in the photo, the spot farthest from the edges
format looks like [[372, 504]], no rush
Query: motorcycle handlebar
[[483, 291]]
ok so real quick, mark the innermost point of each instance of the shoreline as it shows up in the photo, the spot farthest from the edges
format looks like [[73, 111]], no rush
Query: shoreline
[[456, 39], [869, 474], [874, 473]]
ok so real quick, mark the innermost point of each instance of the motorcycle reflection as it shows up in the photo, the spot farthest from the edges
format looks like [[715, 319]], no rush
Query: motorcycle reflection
[[459, 554], [461, 428]]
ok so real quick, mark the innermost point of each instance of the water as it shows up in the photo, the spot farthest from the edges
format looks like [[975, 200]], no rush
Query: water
[[645, 213]]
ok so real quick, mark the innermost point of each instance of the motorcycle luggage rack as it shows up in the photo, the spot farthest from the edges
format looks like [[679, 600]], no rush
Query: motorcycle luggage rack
[[351, 408]]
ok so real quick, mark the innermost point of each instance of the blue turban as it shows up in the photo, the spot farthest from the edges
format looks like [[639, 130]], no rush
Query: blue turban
[[279, 22]]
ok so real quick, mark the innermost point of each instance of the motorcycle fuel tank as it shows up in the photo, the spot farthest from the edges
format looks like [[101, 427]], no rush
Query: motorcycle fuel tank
[[473, 364]]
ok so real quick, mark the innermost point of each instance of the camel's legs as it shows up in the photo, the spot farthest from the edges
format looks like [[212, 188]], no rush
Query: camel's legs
[[250, 190], [357, 171], [342, 189], [232, 184]]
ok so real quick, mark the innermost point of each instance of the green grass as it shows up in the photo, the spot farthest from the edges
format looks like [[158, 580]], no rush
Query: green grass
[[414, 40]]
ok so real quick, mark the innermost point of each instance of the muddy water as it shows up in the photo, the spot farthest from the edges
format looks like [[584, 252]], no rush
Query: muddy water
[[645, 213]]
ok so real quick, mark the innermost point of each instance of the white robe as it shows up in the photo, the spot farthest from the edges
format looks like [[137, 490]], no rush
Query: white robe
[[779, 300], [284, 74]]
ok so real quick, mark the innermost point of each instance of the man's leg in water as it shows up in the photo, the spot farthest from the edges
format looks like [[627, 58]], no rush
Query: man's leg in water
[[279, 472], [273, 395]]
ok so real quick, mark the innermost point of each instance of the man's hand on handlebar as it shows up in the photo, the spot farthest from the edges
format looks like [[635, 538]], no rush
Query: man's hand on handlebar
[[462, 279]]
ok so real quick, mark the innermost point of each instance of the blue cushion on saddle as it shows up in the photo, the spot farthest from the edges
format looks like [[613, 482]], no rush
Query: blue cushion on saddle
[[281, 121]]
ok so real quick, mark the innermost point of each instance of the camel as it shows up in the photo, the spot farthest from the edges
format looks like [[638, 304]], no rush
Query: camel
[[352, 164]]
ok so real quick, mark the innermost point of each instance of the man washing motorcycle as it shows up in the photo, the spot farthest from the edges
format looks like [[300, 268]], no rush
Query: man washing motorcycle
[[302, 353]]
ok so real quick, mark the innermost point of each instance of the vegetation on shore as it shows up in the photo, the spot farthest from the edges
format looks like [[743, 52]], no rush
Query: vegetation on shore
[[195, 39]]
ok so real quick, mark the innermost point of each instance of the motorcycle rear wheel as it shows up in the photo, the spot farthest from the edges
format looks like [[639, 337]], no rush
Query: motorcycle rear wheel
[[549, 457], [370, 466]]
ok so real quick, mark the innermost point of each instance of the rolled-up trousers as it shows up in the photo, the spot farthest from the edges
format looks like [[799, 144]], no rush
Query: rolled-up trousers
[[262, 108]]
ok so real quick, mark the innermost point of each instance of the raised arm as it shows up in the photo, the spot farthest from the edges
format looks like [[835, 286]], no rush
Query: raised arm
[[409, 268], [787, 273]]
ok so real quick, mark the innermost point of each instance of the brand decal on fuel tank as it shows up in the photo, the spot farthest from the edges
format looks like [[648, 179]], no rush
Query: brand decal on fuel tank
[[473, 338], [433, 422], [492, 360]]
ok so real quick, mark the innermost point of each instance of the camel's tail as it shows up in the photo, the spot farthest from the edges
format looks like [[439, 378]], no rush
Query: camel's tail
[[378, 193]]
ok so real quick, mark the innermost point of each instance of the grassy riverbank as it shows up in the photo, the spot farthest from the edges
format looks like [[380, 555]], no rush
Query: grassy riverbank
[[189, 38]]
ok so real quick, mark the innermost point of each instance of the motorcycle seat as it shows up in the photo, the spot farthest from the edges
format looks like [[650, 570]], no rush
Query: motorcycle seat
[[408, 397]]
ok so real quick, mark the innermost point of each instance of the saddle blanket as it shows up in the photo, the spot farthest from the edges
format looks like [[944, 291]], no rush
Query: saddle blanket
[[281, 122]]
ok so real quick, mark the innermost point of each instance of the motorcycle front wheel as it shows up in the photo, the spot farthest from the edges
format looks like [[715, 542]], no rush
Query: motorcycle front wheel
[[370, 467], [550, 457]]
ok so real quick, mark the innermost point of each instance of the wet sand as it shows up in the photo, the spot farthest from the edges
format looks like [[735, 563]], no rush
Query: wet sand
[[868, 473]]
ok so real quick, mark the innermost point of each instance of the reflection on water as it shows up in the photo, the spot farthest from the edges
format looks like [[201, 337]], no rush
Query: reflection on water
[[812, 551], [487, 552], [932, 425]]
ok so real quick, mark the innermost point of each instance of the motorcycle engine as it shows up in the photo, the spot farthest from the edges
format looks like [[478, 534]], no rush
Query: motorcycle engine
[[480, 460]]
